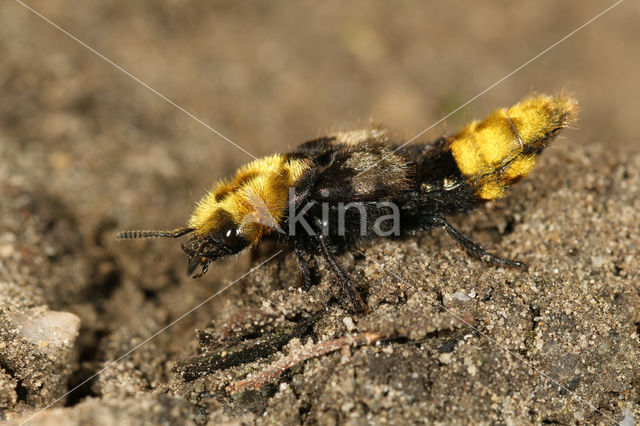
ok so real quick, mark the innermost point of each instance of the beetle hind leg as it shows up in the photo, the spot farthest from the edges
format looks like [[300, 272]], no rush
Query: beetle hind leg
[[476, 251]]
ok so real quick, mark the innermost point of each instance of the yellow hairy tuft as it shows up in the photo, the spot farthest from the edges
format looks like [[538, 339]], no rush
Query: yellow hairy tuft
[[254, 198], [495, 153]]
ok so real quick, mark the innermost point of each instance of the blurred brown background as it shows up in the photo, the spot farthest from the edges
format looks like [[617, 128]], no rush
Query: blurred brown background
[[271, 75]]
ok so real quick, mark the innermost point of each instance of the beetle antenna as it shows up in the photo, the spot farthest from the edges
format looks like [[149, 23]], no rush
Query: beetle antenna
[[136, 235]]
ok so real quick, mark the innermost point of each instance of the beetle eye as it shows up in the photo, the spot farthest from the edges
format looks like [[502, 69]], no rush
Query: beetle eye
[[231, 237]]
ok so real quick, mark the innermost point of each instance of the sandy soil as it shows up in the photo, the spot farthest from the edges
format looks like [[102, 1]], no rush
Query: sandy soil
[[86, 151]]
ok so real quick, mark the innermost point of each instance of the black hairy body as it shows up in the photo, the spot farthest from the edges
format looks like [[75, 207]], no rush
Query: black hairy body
[[423, 181]]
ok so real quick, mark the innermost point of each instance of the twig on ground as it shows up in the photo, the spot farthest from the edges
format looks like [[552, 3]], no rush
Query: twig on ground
[[285, 363]]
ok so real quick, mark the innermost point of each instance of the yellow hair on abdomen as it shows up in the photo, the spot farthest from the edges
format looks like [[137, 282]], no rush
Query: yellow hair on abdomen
[[254, 199], [502, 149]]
